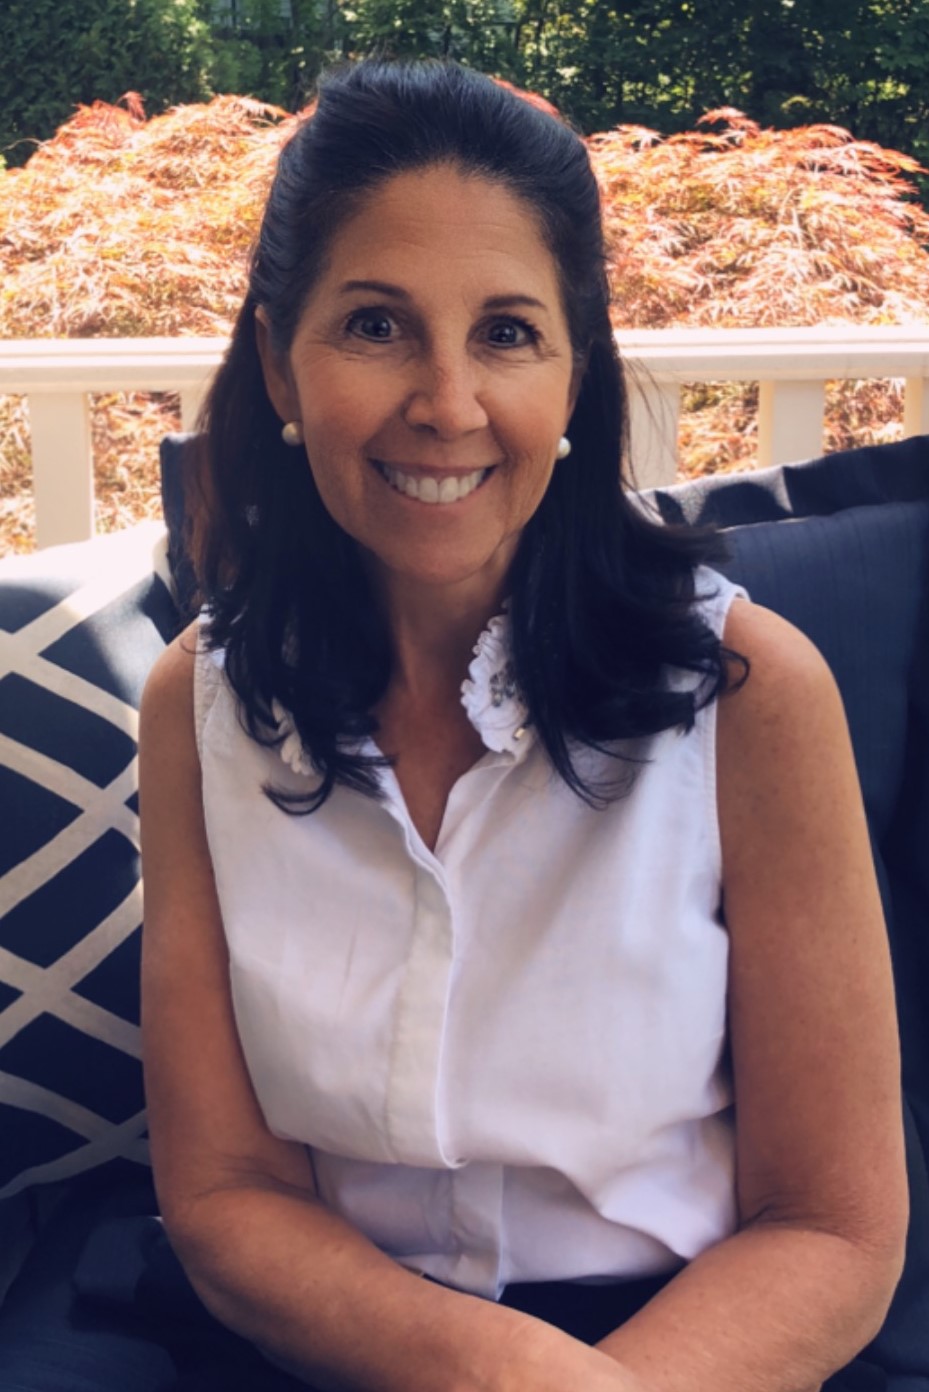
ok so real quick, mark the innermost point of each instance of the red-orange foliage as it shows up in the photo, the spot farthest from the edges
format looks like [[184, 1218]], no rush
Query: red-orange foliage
[[125, 227], [122, 226], [735, 226]]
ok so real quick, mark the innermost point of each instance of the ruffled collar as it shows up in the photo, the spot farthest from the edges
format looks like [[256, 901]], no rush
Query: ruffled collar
[[489, 695], [291, 747]]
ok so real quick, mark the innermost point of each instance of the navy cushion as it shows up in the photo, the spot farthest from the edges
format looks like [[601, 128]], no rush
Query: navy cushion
[[858, 572], [81, 627], [840, 547], [103, 1305], [813, 488]]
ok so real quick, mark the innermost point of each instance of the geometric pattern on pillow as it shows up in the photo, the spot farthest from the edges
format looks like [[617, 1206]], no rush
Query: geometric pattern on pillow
[[80, 627]]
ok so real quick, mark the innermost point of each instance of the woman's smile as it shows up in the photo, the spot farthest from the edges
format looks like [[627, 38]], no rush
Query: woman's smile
[[442, 488], [433, 375]]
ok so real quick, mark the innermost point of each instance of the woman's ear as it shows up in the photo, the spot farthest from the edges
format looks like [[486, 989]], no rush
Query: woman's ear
[[275, 370]]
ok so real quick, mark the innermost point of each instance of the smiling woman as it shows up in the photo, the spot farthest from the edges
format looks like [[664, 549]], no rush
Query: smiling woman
[[496, 929], [432, 363], [429, 300]]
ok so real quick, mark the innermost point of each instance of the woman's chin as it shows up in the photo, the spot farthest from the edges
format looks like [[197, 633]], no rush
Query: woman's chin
[[442, 570]]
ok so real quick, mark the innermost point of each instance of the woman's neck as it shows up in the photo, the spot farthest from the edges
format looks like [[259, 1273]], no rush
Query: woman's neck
[[433, 631]]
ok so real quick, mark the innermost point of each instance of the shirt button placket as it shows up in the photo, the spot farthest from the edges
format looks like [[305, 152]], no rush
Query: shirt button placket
[[419, 1027]]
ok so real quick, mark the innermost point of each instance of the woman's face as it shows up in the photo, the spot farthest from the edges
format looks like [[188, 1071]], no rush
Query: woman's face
[[433, 375]]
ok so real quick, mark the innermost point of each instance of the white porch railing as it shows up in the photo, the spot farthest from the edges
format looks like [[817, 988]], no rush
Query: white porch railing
[[792, 367], [56, 376]]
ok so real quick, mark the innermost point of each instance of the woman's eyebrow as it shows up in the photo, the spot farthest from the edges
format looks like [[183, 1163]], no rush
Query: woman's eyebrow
[[379, 287], [504, 301], [383, 287]]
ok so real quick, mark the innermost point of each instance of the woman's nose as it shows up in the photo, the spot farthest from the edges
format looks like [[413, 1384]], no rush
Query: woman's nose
[[445, 398]]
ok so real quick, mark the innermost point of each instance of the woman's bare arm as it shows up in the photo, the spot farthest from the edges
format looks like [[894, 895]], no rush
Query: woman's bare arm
[[821, 1180], [265, 1256]]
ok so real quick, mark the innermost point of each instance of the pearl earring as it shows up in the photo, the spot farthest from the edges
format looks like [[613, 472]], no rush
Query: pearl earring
[[564, 448], [292, 433]]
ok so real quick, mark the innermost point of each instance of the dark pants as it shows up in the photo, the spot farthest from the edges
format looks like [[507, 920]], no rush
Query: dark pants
[[105, 1306]]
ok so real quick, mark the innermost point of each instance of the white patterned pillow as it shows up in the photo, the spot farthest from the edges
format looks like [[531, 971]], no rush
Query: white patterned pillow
[[80, 627]]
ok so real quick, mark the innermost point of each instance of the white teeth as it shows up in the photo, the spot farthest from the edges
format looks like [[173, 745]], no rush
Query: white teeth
[[432, 490]]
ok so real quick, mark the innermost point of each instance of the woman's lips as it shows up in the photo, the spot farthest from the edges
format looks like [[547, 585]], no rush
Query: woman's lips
[[440, 487]]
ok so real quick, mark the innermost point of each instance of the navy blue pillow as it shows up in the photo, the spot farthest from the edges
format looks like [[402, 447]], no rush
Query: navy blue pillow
[[855, 583], [840, 547], [81, 627]]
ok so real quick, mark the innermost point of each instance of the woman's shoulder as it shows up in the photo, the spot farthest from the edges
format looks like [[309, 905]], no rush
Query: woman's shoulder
[[169, 688], [172, 671], [186, 683], [780, 655], [786, 718]]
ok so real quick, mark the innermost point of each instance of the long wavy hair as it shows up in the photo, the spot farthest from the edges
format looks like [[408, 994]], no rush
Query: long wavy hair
[[602, 598]]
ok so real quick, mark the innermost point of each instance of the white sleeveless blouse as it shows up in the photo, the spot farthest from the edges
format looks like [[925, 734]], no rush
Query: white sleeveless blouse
[[506, 1056]]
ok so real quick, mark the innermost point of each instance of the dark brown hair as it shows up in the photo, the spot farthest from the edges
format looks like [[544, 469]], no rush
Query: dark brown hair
[[602, 598]]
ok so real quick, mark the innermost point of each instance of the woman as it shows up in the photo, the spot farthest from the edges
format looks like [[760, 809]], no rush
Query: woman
[[442, 803]]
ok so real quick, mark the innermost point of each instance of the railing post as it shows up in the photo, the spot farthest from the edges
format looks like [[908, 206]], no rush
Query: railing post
[[654, 416], [790, 421], [62, 467], [916, 407]]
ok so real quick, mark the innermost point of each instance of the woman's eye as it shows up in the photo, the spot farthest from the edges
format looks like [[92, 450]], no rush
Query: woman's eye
[[372, 326], [512, 333]]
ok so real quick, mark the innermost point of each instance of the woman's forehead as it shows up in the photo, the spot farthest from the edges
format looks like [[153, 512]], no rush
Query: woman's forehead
[[441, 221]]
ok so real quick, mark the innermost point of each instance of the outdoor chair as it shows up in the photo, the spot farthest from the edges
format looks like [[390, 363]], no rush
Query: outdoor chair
[[838, 545]]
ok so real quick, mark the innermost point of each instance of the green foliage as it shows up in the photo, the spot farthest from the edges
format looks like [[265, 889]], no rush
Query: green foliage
[[477, 32], [55, 54], [861, 64], [259, 49]]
